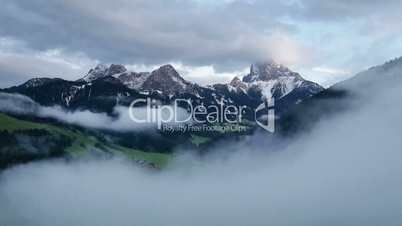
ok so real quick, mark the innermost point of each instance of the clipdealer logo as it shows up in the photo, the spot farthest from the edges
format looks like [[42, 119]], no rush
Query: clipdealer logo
[[232, 114]]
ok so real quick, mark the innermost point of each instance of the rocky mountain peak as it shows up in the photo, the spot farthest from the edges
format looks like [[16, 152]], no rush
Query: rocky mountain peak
[[268, 78], [268, 70], [167, 70], [133, 80], [35, 82], [102, 70], [271, 79], [237, 83], [99, 68], [235, 80], [116, 69], [165, 79]]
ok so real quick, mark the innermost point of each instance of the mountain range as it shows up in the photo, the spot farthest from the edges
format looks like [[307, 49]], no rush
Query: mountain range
[[300, 103], [104, 87]]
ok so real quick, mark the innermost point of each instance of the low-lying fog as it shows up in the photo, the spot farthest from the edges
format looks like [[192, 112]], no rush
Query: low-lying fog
[[19, 104], [347, 171]]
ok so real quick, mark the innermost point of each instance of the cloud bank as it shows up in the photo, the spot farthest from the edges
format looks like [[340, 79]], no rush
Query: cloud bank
[[20, 104]]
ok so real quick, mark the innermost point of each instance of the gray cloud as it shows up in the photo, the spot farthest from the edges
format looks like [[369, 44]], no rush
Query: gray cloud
[[228, 35], [145, 31], [343, 9], [19, 63]]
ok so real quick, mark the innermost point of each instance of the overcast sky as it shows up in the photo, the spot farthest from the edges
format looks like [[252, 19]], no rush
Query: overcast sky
[[207, 40]]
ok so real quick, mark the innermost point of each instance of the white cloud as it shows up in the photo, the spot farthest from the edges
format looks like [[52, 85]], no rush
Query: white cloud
[[207, 75], [331, 71], [19, 63], [122, 122]]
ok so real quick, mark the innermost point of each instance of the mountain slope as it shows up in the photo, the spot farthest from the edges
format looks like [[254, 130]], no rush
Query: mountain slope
[[268, 80], [275, 80], [23, 141], [100, 95], [167, 80], [341, 97]]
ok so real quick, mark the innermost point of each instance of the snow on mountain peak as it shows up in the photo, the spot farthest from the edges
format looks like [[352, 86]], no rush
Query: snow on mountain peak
[[273, 79], [35, 82], [165, 78], [102, 70], [134, 80], [270, 79], [95, 73], [268, 70], [116, 69], [168, 70], [238, 84]]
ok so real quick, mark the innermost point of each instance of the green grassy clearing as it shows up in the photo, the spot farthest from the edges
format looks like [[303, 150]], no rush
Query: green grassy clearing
[[82, 142]]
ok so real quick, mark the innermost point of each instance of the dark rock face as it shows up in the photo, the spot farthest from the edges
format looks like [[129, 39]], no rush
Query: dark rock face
[[165, 79], [100, 95], [95, 73], [238, 84], [266, 71], [115, 69], [134, 80], [341, 97]]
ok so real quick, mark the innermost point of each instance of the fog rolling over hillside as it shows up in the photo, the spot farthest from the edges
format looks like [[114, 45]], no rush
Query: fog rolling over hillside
[[346, 171]]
